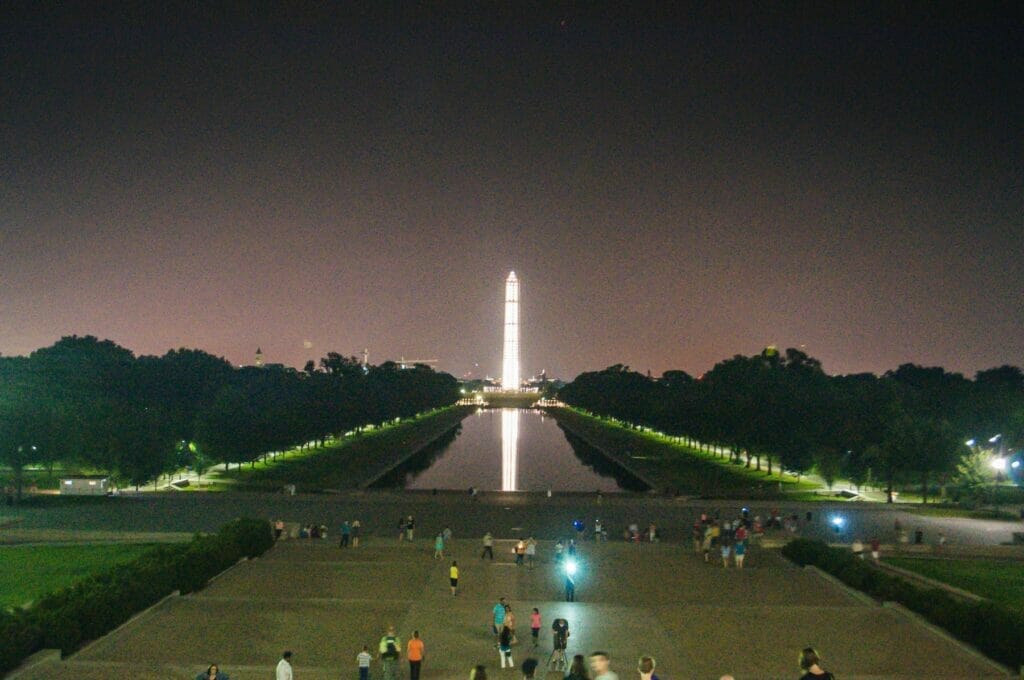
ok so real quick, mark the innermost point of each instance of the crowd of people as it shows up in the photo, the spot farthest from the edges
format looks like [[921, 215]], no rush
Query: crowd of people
[[711, 534]]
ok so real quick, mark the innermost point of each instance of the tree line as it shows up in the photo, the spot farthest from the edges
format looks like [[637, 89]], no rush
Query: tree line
[[91, 403], [777, 409]]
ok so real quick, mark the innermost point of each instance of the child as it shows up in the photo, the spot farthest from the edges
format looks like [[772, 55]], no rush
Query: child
[[535, 625], [363, 659]]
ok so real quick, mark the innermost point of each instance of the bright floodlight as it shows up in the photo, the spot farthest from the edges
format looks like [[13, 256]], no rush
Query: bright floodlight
[[510, 358], [1015, 464], [838, 521], [969, 442], [993, 440], [570, 567], [999, 464]]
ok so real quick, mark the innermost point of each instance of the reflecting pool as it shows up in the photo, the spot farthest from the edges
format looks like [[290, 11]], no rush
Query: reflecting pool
[[510, 450]]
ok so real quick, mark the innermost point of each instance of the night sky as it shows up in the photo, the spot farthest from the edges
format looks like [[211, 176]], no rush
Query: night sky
[[671, 187]]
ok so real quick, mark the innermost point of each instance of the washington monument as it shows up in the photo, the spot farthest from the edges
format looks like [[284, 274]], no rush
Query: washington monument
[[510, 360]]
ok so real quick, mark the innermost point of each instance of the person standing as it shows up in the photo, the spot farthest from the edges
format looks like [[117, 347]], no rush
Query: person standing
[[410, 524], [284, 667], [498, 621], [600, 663], [520, 551], [414, 653], [453, 577], [488, 546], [740, 549], [531, 552], [578, 669], [363, 659], [510, 622], [810, 664], [876, 549], [212, 673], [505, 647], [645, 667], [529, 668], [278, 529], [439, 547], [389, 651], [346, 533], [570, 589]]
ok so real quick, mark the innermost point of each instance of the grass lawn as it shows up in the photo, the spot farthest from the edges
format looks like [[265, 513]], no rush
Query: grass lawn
[[950, 511], [28, 572], [682, 467], [344, 463], [998, 580]]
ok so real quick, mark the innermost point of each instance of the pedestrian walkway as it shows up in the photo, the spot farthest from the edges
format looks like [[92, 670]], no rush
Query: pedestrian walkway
[[698, 620]]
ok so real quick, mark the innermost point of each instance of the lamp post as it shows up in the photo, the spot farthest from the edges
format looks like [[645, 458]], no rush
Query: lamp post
[[999, 465]]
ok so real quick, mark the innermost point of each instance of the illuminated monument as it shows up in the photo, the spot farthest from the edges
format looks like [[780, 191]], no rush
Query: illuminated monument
[[510, 361]]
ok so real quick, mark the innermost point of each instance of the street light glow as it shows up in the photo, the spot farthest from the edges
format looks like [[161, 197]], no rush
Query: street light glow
[[969, 442], [999, 464], [570, 567]]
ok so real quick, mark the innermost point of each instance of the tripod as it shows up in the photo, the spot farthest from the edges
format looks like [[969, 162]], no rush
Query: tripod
[[557, 660]]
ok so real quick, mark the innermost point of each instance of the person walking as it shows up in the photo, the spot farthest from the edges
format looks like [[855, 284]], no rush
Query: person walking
[[389, 651], [600, 663], [414, 653], [363, 659], [439, 547], [488, 546], [284, 667], [810, 663], [453, 577], [578, 669], [535, 626]]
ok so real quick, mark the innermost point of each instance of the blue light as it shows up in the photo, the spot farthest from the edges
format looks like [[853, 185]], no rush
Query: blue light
[[838, 521]]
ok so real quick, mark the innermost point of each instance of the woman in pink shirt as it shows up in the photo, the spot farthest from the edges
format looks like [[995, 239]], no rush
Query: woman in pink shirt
[[535, 625]]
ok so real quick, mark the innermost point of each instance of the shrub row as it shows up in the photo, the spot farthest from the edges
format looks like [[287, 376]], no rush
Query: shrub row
[[993, 628], [68, 618]]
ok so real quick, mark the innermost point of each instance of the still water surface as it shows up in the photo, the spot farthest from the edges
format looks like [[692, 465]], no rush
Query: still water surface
[[511, 450]]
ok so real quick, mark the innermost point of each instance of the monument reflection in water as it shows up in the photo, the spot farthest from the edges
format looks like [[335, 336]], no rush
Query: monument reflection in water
[[508, 450]]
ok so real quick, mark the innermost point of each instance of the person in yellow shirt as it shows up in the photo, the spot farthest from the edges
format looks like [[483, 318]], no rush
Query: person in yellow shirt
[[453, 577]]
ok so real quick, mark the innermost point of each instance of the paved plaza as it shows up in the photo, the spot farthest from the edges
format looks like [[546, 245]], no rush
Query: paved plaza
[[698, 620]]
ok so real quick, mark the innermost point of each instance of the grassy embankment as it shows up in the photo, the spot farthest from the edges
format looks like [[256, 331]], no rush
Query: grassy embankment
[[345, 463], [28, 572], [998, 580], [675, 466], [953, 511]]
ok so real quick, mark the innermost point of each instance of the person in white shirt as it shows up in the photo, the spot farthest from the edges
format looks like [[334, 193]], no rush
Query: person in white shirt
[[284, 667]]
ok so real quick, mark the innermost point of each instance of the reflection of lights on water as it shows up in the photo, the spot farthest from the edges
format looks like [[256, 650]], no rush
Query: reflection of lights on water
[[509, 448]]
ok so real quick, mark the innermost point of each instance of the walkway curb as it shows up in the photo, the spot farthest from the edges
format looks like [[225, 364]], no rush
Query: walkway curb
[[929, 582], [43, 656], [863, 598], [144, 614], [970, 650]]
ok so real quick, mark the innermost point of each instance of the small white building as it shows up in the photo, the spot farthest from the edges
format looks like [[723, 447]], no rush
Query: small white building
[[84, 486]]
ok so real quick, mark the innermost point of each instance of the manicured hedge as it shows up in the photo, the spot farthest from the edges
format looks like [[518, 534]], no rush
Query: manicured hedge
[[69, 618], [991, 627]]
